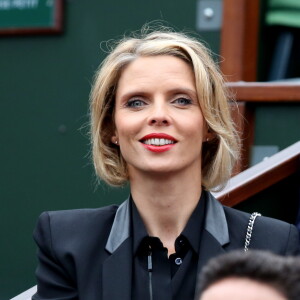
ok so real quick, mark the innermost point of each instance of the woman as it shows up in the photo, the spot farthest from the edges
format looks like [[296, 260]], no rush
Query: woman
[[160, 120]]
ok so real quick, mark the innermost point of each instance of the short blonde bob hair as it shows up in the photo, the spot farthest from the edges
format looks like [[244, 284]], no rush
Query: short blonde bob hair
[[218, 155]]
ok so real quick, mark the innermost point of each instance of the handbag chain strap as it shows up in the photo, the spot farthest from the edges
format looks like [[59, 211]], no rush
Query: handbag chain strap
[[250, 230]]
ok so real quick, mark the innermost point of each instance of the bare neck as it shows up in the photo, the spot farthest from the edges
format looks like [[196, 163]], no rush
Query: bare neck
[[166, 203]]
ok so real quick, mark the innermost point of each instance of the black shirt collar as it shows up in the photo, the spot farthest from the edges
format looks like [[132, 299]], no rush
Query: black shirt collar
[[192, 231]]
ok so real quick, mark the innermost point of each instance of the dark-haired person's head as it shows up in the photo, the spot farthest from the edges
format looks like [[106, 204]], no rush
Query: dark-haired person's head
[[252, 275]]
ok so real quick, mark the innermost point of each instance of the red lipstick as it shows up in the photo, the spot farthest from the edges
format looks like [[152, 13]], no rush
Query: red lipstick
[[158, 136], [157, 148]]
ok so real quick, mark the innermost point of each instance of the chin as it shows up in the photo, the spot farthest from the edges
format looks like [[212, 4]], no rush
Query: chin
[[163, 170], [158, 170]]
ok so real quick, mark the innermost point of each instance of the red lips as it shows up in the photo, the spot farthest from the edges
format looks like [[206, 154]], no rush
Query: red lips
[[158, 149], [158, 136]]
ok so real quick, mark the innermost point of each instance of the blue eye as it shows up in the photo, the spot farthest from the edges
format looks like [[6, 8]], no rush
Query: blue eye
[[135, 103], [183, 101]]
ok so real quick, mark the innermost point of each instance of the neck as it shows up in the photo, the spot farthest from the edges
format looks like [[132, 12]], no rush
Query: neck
[[166, 203]]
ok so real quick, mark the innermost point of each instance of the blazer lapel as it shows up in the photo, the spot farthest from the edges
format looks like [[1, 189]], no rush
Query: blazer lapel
[[215, 234], [117, 269], [215, 220], [209, 248]]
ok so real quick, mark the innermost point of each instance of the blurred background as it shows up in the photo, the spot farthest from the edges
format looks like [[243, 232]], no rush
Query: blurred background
[[45, 82]]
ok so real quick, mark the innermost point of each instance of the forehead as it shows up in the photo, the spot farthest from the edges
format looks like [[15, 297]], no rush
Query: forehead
[[157, 59], [241, 288], [164, 69]]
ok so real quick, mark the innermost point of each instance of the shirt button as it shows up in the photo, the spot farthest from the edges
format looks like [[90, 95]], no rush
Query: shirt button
[[181, 242], [178, 261]]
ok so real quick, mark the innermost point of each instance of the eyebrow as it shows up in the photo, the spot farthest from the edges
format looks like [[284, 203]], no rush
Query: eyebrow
[[171, 91], [183, 90]]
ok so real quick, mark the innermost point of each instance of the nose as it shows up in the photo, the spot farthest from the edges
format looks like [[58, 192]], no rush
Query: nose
[[159, 115]]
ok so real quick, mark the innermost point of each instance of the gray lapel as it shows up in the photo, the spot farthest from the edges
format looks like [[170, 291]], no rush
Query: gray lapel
[[117, 269], [120, 229], [215, 220]]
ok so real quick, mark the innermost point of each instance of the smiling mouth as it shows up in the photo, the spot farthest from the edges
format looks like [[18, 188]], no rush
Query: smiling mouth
[[157, 142]]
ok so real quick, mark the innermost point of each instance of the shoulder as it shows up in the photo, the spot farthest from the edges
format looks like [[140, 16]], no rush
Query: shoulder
[[268, 233], [76, 218], [80, 215], [237, 217], [74, 229]]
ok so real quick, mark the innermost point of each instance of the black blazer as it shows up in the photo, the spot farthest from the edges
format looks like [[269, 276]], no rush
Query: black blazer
[[87, 253]]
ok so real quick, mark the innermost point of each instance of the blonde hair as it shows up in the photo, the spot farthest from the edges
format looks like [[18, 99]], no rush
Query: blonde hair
[[218, 154]]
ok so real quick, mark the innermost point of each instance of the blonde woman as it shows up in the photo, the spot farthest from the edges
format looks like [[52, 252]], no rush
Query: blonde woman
[[160, 121]]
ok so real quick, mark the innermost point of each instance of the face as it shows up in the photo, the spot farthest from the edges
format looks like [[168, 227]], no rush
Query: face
[[159, 124], [239, 288]]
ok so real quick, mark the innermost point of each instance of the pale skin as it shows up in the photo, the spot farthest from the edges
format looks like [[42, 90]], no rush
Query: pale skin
[[157, 94], [241, 288]]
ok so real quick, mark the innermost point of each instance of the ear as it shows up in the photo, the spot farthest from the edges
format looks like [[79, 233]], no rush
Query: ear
[[209, 136], [114, 139]]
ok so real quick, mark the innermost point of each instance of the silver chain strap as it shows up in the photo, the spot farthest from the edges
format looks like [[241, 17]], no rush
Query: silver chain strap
[[250, 229]]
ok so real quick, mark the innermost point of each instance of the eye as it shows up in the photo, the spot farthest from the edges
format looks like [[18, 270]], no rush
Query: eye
[[135, 103], [182, 101]]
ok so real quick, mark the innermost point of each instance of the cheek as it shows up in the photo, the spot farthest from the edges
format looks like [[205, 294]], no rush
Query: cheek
[[194, 123], [125, 128], [196, 129], [120, 123]]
